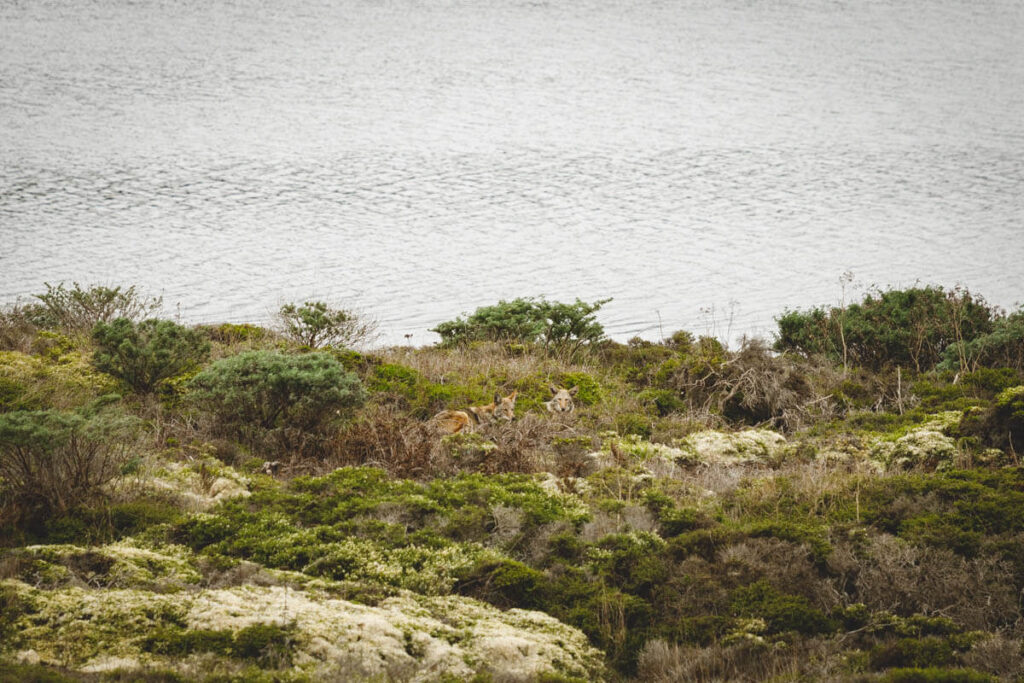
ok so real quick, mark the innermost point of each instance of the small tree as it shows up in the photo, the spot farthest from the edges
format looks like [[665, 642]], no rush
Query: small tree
[[52, 461], [262, 390], [555, 325], [79, 309], [315, 324], [145, 354]]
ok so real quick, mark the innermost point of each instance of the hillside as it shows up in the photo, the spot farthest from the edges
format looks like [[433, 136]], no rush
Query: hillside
[[232, 502]]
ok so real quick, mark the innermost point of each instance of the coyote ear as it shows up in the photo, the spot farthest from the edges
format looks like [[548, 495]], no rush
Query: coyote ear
[[553, 388], [572, 392], [512, 396], [497, 399]]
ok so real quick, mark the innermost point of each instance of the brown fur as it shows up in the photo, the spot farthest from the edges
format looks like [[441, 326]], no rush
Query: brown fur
[[562, 401], [455, 421]]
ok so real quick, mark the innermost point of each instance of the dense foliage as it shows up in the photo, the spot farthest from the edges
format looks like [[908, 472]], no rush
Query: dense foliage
[[145, 354], [911, 328], [267, 389], [555, 325], [52, 461]]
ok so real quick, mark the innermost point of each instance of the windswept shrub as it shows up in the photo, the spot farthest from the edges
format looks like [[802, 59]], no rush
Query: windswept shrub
[[145, 354], [79, 309], [263, 390], [52, 461], [1003, 347], [557, 326], [315, 324], [910, 328]]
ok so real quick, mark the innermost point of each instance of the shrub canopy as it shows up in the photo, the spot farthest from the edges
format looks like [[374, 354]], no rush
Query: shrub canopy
[[268, 389], [53, 461], [558, 326], [909, 327], [145, 354]]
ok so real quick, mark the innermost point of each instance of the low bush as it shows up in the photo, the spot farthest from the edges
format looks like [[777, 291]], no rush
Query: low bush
[[779, 611], [145, 354], [40, 383], [258, 391], [53, 461], [926, 652]]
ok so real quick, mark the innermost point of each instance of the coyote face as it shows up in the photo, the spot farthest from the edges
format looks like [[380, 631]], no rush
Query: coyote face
[[455, 421], [562, 401]]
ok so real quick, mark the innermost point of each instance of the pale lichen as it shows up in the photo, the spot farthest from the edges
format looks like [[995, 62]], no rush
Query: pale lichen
[[748, 446], [420, 636], [198, 486]]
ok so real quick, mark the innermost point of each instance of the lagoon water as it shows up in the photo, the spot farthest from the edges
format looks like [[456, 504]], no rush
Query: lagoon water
[[706, 163]]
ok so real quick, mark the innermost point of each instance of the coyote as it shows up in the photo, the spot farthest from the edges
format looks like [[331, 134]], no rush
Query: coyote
[[455, 421], [562, 401]]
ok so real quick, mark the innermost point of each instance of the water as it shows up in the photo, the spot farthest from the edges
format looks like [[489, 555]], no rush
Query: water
[[707, 164]]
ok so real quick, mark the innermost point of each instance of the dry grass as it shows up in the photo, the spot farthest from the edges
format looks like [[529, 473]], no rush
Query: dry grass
[[743, 660], [445, 366], [385, 437]]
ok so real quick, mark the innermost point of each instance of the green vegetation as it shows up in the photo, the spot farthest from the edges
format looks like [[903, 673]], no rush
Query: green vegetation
[[912, 327], [265, 390], [848, 506], [555, 325], [315, 324], [145, 354]]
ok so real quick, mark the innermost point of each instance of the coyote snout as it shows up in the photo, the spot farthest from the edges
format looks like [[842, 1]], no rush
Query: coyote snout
[[455, 421], [562, 401]]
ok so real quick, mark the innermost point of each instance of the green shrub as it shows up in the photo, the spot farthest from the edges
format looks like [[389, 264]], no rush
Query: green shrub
[[53, 461], [1003, 347], [780, 612], [231, 333], [265, 390], [588, 389], [911, 327], [557, 326], [505, 583], [930, 651], [634, 423], [315, 324], [145, 354], [266, 644], [78, 309]]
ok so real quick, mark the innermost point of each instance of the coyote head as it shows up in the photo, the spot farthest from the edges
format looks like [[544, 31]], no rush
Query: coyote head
[[562, 401], [504, 407]]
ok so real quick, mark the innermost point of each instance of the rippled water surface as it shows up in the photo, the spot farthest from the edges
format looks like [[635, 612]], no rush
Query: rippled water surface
[[700, 162]]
